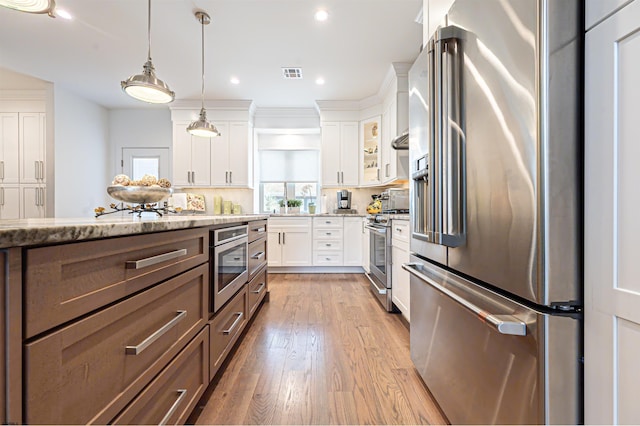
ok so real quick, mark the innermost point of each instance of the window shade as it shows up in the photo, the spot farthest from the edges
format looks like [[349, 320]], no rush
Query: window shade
[[289, 166]]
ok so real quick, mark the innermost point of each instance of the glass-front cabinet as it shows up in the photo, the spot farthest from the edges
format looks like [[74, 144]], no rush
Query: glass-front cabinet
[[370, 142]]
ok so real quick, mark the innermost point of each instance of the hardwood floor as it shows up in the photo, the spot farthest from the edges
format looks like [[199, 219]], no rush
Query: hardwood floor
[[321, 351]]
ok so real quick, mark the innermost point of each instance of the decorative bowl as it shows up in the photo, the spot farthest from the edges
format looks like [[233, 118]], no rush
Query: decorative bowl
[[139, 194]]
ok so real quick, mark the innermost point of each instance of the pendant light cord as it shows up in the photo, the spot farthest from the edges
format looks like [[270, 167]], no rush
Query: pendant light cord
[[149, 29], [202, 92]]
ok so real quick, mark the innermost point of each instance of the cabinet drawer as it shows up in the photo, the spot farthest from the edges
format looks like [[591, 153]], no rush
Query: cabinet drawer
[[327, 245], [225, 328], [66, 281], [327, 222], [171, 397], [257, 229], [400, 232], [256, 290], [88, 372], [330, 234], [327, 259], [257, 256]]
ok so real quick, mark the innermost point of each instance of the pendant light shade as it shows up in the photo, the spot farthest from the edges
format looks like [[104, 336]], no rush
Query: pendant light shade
[[31, 6], [146, 86], [202, 127]]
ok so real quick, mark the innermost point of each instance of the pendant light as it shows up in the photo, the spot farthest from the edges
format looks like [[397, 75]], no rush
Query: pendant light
[[31, 6], [202, 127], [146, 86]]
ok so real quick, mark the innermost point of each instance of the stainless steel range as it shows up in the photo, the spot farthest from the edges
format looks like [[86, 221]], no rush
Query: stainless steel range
[[379, 227]]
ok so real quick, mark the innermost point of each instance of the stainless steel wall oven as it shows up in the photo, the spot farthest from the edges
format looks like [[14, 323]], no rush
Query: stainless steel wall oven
[[229, 263]]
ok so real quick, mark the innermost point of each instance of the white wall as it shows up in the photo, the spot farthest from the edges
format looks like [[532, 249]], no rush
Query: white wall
[[81, 155], [138, 128]]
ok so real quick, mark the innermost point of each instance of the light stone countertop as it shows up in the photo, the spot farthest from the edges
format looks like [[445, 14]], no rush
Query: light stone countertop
[[399, 217], [317, 215], [27, 232]]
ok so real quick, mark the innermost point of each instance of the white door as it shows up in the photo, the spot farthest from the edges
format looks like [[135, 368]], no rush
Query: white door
[[239, 158], [274, 248], [33, 202], [9, 148], [350, 147], [220, 156], [296, 247], [137, 162], [10, 202], [330, 154], [32, 148], [612, 228], [201, 160], [181, 175]]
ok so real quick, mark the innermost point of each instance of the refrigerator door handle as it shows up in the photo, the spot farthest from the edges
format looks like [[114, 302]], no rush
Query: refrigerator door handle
[[504, 324]]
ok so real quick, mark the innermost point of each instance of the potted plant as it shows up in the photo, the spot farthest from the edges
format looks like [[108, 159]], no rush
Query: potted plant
[[294, 206], [283, 206]]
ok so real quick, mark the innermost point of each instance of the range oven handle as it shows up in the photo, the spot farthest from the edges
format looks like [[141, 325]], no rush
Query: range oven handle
[[503, 324], [379, 230]]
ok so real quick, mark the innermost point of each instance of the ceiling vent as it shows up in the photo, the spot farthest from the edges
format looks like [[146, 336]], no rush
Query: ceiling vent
[[292, 73]]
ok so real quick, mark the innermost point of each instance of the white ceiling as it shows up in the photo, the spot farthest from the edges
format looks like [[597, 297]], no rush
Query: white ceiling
[[250, 39]]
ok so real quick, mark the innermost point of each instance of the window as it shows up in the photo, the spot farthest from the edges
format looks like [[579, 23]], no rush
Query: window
[[288, 175], [136, 162]]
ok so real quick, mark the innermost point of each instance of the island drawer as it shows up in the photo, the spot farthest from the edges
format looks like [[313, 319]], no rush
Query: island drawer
[[66, 281], [87, 372], [257, 256], [171, 397], [225, 328], [256, 290], [257, 229]]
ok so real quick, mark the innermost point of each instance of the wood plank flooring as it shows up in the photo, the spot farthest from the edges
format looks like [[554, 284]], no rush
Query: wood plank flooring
[[321, 351]]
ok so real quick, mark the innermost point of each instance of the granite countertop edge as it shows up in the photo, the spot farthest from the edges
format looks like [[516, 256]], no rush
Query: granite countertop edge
[[30, 232]]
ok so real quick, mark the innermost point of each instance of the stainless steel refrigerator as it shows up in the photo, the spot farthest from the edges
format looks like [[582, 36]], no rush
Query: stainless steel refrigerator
[[495, 159]]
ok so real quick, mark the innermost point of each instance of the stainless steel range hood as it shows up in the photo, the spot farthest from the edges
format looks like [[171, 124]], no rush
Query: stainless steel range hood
[[401, 142]]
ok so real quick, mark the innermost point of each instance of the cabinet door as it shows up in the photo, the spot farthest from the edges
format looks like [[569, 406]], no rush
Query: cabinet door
[[352, 241], [181, 155], [31, 137], [200, 160], [274, 248], [371, 155], [10, 202], [331, 154], [33, 202], [239, 154], [400, 280], [220, 155], [296, 247], [349, 154], [9, 148]]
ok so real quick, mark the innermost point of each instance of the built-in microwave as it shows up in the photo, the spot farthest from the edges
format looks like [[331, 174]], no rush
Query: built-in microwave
[[228, 263]]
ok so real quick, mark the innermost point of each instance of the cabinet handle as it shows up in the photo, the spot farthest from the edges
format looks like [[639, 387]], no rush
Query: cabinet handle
[[181, 394], [259, 290], [42, 197], [328, 245], [341, 177], [230, 177], [259, 230], [226, 177], [235, 323], [193, 177], [283, 237], [42, 170], [258, 255], [37, 196], [328, 222], [278, 238], [399, 229], [378, 174], [1, 169], [327, 233], [338, 177], [188, 177], [327, 258], [135, 350], [153, 260], [2, 196], [37, 169], [387, 168]]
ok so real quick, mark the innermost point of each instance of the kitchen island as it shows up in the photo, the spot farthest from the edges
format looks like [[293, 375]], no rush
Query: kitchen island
[[110, 320]]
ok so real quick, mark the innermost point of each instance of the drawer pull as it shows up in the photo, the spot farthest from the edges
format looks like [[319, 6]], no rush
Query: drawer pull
[[235, 323], [328, 245], [328, 222], [259, 290], [135, 350], [258, 255], [399, 229], [259, 230], [328, 258], [327, 233], [153, 260], [181, 394]]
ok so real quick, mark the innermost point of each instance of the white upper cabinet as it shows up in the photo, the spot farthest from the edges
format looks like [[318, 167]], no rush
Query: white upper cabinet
[[339, 154], [32, 147], [191, 157], [231, 162], [9, 148], [370, 132]]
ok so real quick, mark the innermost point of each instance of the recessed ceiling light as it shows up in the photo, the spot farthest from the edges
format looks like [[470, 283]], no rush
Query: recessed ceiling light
[[321, 15], [234, 80], [319, 81], [63, 14]]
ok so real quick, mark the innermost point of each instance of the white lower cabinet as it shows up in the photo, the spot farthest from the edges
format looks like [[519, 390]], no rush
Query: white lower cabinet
[[400, 254], [353, 227], [328, 247], [9, 202], [33, 201], [289, 241]]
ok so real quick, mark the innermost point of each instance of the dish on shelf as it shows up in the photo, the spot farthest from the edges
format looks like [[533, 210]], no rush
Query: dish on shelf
[[139, 194]]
